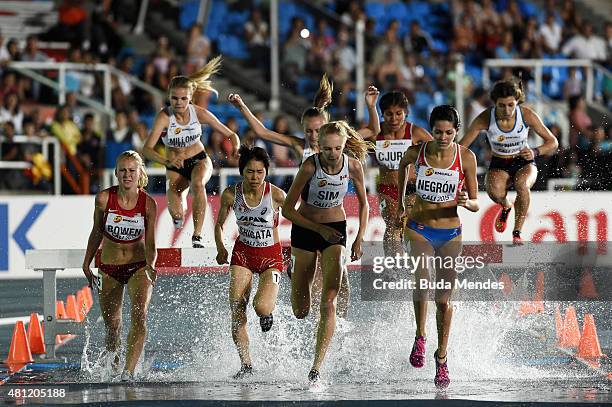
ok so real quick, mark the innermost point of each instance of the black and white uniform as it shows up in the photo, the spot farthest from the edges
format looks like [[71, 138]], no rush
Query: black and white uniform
[[323, 191], [182, 136]]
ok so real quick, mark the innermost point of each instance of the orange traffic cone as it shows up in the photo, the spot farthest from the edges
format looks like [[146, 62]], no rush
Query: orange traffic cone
[[558, 323], [587, 286], [19, 353], [588, 347], [539, 287], [60, 310], [71, 308], [87, 291], [81, 305], [526, 308], [508, 286], [35, 335], [570, 336]]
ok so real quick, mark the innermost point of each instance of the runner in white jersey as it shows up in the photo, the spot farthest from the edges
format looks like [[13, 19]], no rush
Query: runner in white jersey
[[187, 164], [312, 120], [507, 125], [257, 249], [395, 137], [319, 225], [445, 179], [124, 224]]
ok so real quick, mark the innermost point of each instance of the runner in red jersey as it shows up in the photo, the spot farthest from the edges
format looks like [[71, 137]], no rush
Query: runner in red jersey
[[257, 250], [124, 223]]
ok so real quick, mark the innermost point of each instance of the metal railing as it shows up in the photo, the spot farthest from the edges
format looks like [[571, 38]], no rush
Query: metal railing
[[44, 143], [30, 69]]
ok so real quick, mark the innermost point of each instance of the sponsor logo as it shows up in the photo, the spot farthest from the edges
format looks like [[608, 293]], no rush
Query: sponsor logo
[[177, 130], [117, 218], [501, 138], [386, 144], [264, 211], [429, 171], [322, 183]]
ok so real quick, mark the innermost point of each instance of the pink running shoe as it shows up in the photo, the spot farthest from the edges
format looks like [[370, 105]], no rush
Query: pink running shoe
[[417, 356], [441, 380]]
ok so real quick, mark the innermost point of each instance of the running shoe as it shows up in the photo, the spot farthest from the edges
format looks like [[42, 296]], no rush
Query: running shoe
[[245, 370], [516, 237], [502, 219], [266, 322], [314, 377], [417, 356], [128, 377], [441, 380], [196, 242]]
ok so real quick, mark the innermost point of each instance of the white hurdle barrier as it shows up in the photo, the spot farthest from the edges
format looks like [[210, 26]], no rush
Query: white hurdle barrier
[[51, 261]]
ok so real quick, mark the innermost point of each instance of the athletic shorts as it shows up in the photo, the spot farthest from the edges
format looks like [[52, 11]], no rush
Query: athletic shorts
[[189, 164], [257, 259], [436, 236], [392, 190], [122, 272], [306, 239], [511, 165]]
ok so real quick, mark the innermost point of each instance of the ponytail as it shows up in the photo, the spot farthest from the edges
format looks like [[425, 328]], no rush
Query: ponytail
[[322, 99], [199, 80], [356, 146]]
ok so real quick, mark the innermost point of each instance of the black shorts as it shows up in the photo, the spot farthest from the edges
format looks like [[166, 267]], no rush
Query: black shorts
[[189, 164], [311, 241], [510, 165]]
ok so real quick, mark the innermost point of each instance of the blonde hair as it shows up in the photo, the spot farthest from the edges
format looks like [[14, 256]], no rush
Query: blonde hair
[[322, 99], [143, 179], [199, 80], [356, 146]]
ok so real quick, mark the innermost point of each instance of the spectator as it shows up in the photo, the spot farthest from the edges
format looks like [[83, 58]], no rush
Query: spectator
[[219, 153], [573, 84], [417, 40], [295, 52], [580, 123], [65, 129], [90, 150], [257, 37], [506, 49], [12, 47], [78, 112], [353, 14], [464, 36], [139, 136], [413, 74], [344, 52], [586, 45], [11, 179], [389, 75], [71, 26], [163, 54], [198, 49], [490, 16], [324, 33], [319, 58], [117, 140], [4, 54], [551, 35], [11, 112]]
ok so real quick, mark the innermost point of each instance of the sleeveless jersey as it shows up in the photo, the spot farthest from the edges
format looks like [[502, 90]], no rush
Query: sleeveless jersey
[[307, 153], [180, 136], [122, 225], [255, 225], [438, 185], [508, 143], [327, 190], [390, 152]]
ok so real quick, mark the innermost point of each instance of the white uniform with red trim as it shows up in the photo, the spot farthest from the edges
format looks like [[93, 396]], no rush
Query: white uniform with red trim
[[256, 224], [390, 152], [438, 185]]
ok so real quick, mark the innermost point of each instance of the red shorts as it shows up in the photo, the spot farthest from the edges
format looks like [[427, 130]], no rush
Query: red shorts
[[389, 190], [257, 259], [122, 272]]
